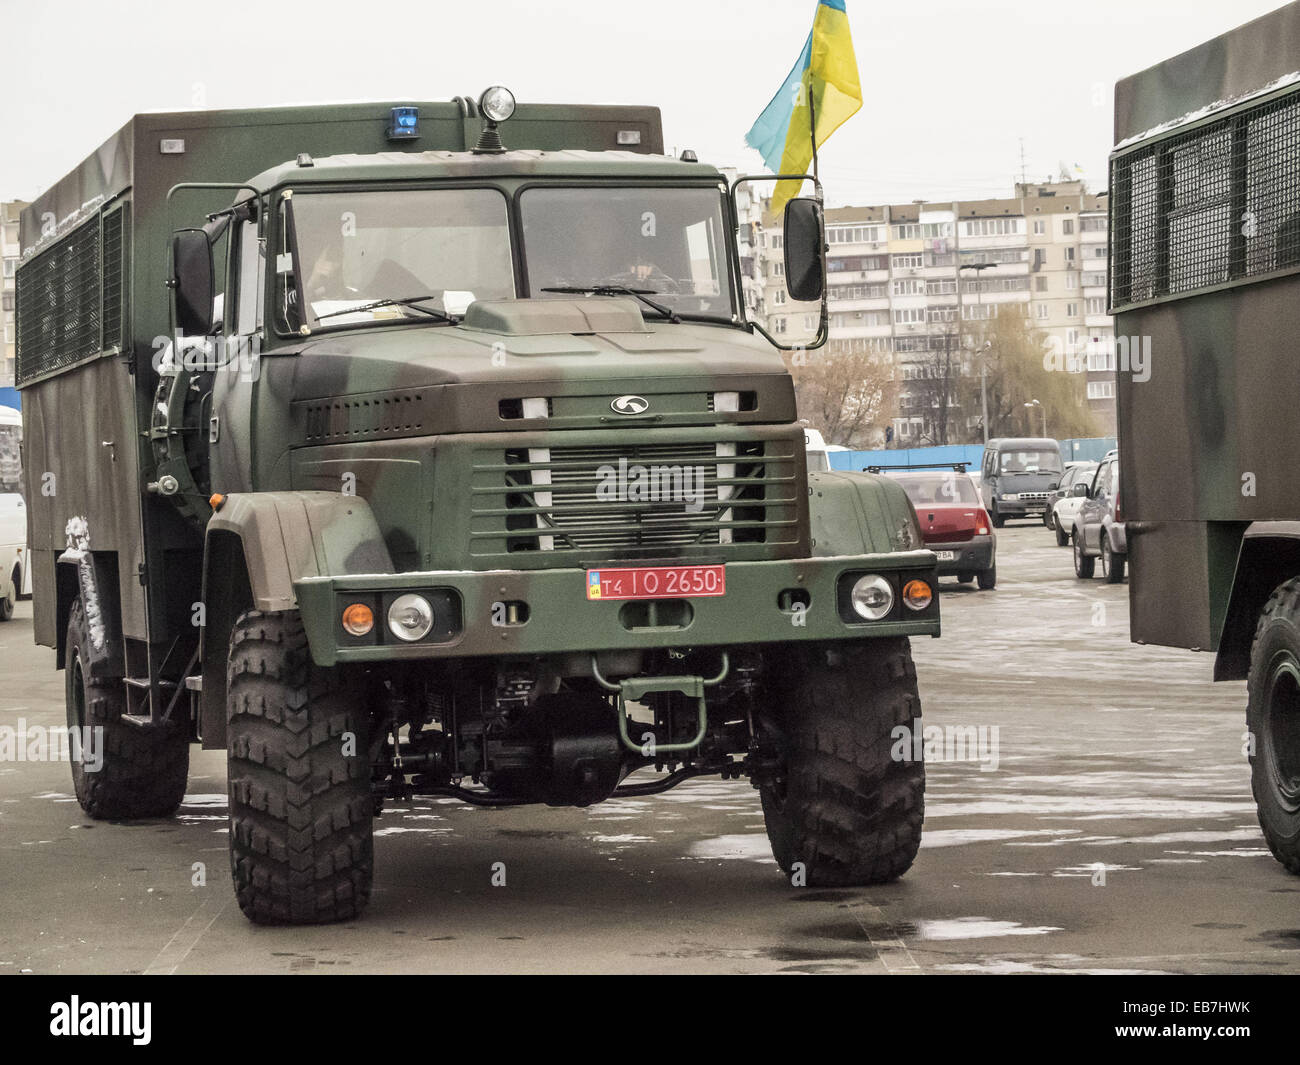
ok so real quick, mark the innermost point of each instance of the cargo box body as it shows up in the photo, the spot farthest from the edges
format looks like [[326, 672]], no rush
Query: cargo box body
[[1205, 293]]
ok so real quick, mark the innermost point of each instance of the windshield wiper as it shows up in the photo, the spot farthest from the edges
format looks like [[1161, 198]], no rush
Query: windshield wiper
[[406, 301], [601, 289]]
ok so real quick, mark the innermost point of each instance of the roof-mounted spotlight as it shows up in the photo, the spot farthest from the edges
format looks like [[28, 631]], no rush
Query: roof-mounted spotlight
[[496, 105]]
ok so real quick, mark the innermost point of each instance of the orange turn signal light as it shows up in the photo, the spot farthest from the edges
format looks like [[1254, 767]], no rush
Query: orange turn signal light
[[917, 594], [358, 619]]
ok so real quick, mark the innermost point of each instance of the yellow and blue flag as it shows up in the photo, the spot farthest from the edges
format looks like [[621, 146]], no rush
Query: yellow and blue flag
[[826, 74]]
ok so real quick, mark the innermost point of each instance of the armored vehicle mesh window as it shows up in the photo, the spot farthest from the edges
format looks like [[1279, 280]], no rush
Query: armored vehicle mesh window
[[113, 278], [71, 298], [1218, 203]]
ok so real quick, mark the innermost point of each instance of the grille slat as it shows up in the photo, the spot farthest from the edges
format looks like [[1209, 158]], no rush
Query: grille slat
[[633, 497]]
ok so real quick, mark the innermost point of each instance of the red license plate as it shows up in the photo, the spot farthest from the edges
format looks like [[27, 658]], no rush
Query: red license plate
[[656, 582]]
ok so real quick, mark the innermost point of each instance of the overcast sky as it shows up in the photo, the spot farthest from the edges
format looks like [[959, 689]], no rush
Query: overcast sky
[[951, 87]]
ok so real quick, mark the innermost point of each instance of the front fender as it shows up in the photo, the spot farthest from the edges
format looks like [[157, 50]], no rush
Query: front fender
[[287, 536], [1269, 556], [860, 514]]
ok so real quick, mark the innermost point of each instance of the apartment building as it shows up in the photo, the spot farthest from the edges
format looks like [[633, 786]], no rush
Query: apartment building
[[903, 277], [9, 252]]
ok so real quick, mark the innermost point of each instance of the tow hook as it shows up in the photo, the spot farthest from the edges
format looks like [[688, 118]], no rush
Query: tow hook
[[634, 689]]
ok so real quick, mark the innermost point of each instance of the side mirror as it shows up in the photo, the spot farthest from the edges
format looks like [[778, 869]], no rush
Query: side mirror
[[193, 282], [805, 241], [1080, 489]]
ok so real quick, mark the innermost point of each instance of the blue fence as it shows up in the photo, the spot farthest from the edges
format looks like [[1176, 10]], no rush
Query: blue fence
[[916, 456], [9, 398], [1090, 449]]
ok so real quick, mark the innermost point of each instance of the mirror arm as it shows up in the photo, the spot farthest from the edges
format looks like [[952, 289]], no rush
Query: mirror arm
[[823, 326]]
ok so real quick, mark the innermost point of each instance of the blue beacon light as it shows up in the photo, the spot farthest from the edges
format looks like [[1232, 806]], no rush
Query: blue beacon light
[[405, 124]]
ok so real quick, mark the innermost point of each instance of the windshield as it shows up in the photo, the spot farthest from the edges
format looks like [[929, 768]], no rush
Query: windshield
[[1031, 461], [937, 489], [668, 243], [11, 468], [357, 248]]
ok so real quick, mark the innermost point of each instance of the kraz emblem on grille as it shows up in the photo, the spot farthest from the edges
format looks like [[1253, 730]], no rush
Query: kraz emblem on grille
[[629, 405]]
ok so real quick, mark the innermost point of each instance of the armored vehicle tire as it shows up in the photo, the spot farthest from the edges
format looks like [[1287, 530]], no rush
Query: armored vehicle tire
[[847, 809], [1062, 537], [988, 579], [1273, 722], [1112, 565], [301, 843], [143, 770], [1083, 564]]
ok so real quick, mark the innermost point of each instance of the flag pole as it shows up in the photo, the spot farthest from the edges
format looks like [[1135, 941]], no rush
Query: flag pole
[[812, 127]]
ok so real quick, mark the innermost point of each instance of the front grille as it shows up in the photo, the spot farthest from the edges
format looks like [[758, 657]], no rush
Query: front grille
[[1032, 497], [642, 499]]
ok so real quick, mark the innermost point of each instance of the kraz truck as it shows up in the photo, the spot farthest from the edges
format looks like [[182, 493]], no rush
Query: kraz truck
[[1205, 290], [428, 449]]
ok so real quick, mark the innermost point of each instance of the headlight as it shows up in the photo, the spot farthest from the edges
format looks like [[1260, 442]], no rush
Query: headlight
[[1008, 495], [872, 597], [410, 617]]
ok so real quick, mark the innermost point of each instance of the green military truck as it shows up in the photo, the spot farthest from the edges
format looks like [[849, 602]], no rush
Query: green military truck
[[1205, 290], [428, 449]]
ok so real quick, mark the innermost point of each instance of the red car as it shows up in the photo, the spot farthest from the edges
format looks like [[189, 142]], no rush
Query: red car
[[954, 523]]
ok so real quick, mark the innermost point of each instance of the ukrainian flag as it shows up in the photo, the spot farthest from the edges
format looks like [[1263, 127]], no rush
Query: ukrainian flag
[[826, 74]]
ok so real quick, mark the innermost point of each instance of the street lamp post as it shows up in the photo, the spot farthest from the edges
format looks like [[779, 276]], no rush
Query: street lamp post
[[984, 366], [1035, 403]]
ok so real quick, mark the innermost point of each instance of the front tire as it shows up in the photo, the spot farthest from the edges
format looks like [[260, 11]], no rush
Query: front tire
[[143, 770], [1112, 565], [1062, 537], [995, 517], [1083, 564], [1273, 722], [847, 809], [297, 746]]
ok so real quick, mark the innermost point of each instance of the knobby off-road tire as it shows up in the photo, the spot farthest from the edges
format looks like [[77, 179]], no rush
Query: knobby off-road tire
[[847, 809], [1273, 721], [301, 842], [144, 770]]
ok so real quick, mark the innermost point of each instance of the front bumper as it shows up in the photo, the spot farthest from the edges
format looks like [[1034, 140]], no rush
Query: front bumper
[[1022, 507], [561, 620], [969, 556]]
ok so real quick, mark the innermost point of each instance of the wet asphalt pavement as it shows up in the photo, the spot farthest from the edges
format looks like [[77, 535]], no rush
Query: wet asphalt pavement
[[1112, 831]]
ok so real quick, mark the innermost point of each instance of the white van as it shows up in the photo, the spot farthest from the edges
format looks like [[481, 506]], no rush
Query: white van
[[15, 579], [818, 450]]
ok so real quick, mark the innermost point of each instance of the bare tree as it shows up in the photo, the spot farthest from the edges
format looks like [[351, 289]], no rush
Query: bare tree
[[848, 396]]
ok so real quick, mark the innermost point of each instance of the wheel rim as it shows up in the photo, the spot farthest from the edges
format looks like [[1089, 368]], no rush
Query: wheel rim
[[1105, 557], [1078, 555], [1282, 728]]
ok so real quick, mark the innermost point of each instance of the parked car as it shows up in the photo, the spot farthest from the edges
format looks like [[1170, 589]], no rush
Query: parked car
[[1062, 504], [1098, 528], [13, 514], [1016, 475], [954, 524]]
